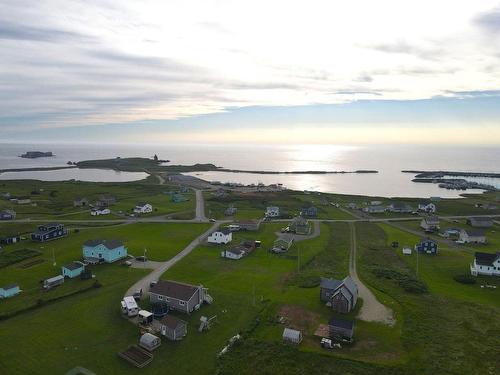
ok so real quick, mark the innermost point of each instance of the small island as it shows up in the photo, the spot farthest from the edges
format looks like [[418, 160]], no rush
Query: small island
[[37, 154]]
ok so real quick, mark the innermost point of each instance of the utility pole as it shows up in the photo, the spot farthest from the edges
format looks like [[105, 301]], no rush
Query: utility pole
[[144, 263], [417, 264], [298, 260], [53, 258]]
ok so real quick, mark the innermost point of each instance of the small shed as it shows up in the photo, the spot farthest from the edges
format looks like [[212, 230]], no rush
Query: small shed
[[292, 335], [173, 328], [406, 251], [341, 329], [149, 341], [73, 269], [145, 317]]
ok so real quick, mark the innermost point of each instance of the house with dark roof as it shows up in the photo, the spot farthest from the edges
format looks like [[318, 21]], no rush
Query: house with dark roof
[[340, 329], [100, 251], [7, 215], [340, 295], [485, 264], [48, 232], [238, 252], [480, 222], [472, 236], [430, 223], [427, 246], [179, 296], [221, 236], [248, 224], [80, 202], [73, 269], [230, 211], [300, 225], [428, 207], [282, 244], [173, 328], [8, 291], [10, 239]]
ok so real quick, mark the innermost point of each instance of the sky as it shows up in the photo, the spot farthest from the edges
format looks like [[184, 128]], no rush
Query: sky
[[250, 71]]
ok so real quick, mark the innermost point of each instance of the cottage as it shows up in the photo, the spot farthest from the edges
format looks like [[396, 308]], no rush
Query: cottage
[[53, 282], [430, 223], [7, 215], [179, 296], [230, 211], [173, 328], [300, 225], [428, 207], [374, 209], [143, 208], [341, 295], [100, 211], [48, 232], [480, 222], [282, 244], [472, 236], [80, 202], [222, 236], [341, 329], [485, 264], [9, 240], [427, 246], [73, 269], [272, 211], [400, 207], [309, 211], [149, 341], [9, 291], [292, 335], [238, 252], [252, 225], [99, 251]]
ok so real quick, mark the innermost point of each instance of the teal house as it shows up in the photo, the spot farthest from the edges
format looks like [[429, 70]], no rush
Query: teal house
[[178, 198], [73, 269], [9, 291], [103, 251]]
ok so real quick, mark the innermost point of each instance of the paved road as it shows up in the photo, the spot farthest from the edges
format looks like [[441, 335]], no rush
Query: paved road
[[200, 206], [371, 310], [162, 267]]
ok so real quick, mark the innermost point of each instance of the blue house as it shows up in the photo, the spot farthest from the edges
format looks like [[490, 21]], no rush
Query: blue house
[[310, 211], [7, 215], [427, 246], [73, 269], [48, 232], [99, 251], [9, 291]]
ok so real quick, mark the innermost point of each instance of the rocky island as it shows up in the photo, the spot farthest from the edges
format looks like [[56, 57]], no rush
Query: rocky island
[[37, 154]]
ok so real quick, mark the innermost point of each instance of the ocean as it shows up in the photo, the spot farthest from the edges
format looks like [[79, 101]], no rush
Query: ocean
[[389, 160]]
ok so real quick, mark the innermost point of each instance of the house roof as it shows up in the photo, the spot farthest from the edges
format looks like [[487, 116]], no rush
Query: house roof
[[171, 321], [238, 250], [330, 283], [341, 323], [427, 240], [291, 333], [108, 244], [334, 284], [486, 259], [224, 231], [10, 286], [141, 204], [73, 266], [474, 232], [174, 289]]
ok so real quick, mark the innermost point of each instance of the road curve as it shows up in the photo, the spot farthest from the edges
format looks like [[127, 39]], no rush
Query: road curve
[[371, 310]]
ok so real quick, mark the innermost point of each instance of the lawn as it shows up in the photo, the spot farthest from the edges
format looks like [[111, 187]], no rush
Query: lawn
[[162, 241]]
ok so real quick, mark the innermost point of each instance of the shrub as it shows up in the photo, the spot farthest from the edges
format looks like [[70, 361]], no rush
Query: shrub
[[406, 281], [464, 279]]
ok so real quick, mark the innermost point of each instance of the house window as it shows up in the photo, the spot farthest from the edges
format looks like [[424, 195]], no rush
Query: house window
[[160, 298], [167, 299], [182, 303]]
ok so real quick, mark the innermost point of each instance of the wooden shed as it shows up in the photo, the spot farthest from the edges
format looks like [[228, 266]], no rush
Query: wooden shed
[[149, 341], [173, 328]]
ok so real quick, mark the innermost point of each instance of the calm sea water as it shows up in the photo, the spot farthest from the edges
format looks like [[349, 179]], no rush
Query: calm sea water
[[389, 160]]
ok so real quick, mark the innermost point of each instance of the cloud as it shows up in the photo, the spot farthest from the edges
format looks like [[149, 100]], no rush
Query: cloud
[[17, 31], [490, 21], [475, 93], [403, 47]]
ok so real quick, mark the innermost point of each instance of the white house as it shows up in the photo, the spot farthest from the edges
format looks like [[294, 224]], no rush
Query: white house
[[485, 264], [427, 207], [400, 207], [430, 223], [221, 236], [472, 236], [98, 211], [143, 208], [375, 209], [272, 211]]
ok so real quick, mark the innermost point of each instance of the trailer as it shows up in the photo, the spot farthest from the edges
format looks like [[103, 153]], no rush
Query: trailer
[[129, 306], [53, 282]]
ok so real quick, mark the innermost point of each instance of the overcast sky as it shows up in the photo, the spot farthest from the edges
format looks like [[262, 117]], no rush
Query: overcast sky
[[261, 71]]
